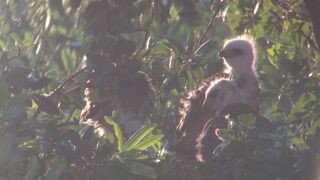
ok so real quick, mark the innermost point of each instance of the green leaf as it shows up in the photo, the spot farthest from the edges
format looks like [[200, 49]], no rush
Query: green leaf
[[134, 154], [225, 134], [303, 100], [55, 169], [247, 120], [267, 5], [137, 137], [149, 141], [28, 39], [6, 143], [198, 74], [68, 58], [160, 49], [299, 143], [28, 144], [140, 169], [172, 42], [272, 57], [118, 133]]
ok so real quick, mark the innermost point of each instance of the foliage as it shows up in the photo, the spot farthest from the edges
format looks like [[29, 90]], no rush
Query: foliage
[[57, 56]]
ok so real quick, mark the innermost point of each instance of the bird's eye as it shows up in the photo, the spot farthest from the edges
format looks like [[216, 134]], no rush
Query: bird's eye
[[238, 51]]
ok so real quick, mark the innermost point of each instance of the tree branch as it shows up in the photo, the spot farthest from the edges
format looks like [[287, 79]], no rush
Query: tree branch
[[214, 14], [199, 43], [66, 81]]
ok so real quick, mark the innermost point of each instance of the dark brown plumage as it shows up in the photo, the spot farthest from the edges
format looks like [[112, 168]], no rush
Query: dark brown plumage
[[191, 111], [219, 95], [121, 88], [207, 140]]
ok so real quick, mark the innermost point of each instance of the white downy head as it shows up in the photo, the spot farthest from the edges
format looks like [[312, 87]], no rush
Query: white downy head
[[238, 54]]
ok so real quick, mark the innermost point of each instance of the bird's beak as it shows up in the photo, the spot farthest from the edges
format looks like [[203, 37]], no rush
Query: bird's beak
[[221, 53]]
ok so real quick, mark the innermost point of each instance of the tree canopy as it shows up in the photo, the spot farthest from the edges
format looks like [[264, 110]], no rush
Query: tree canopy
[[74, 72]]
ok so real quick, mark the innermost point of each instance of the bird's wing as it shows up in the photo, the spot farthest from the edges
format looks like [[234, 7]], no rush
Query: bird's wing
[[192, 105], [191, 108]]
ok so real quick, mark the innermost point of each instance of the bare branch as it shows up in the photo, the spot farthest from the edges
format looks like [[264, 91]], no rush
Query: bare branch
[[214, 14], [66, 81], [199, 44]]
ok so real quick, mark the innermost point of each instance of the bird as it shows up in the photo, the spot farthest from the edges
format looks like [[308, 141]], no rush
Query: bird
[[234, 91], [121, 89]]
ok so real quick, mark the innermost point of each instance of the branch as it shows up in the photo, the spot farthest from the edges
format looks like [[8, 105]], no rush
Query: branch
[[214, 14], [146, 31], [308, 38], [199, 44], [313, 7], [66, 81], [144, 42]]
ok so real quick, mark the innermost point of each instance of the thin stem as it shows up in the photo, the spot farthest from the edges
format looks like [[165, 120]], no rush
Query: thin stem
[[214, 14], [199, 45], [66, 81]]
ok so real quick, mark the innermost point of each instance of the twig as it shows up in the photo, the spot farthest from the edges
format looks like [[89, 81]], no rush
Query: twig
[[308, 38], [202, 45], [65, 81], [146, 35], [145, 39], [199, 44], [214, 14]]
